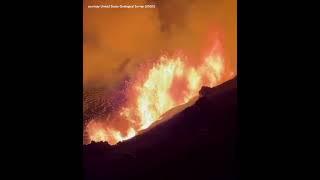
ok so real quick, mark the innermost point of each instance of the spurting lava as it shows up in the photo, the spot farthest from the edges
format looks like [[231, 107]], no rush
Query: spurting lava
[[166, 83]]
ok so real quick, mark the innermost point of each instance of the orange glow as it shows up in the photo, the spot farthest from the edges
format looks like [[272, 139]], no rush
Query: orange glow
[[167, 83]]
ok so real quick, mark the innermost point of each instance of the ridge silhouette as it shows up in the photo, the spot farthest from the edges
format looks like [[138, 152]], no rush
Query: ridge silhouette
[[200, 142]]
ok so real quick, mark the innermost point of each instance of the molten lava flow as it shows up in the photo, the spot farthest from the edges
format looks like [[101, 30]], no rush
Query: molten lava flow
[[171, 81]]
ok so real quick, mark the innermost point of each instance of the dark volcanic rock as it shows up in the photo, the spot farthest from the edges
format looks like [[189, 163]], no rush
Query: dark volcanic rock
[[201, 142], [97, 148], [204, 91]]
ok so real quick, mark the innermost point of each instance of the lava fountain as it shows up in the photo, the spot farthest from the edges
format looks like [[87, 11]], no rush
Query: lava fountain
[[158, 87]]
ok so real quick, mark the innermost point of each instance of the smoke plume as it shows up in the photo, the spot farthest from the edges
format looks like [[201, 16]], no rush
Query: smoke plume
[[117, 41]]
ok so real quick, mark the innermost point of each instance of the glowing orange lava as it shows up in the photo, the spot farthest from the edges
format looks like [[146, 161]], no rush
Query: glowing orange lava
[[169, 82]]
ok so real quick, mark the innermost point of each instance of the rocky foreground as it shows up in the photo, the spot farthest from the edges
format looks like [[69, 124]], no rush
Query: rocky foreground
[[200, 142]]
